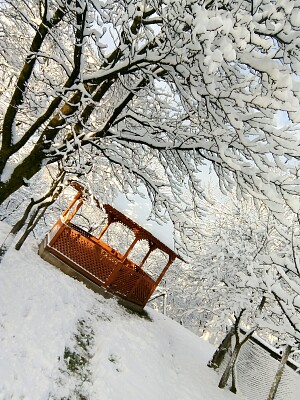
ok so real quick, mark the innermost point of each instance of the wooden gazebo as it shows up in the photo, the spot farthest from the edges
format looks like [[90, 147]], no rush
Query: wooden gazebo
[[79, 253]]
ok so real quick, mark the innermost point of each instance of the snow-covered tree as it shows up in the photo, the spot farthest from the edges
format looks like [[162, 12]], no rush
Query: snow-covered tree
[[245, 276], [224, 243], [154, 88]]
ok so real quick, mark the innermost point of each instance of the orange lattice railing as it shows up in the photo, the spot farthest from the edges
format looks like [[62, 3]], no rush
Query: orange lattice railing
[[100, 263]]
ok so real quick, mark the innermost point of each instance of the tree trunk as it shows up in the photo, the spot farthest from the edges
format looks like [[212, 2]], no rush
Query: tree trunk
[[32, 224], [230, 367], [221, 351], [31, 212], [233, 382], [279, 373]]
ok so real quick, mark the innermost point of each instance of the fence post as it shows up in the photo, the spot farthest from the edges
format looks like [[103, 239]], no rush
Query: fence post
[[279, 373], [165, 303]]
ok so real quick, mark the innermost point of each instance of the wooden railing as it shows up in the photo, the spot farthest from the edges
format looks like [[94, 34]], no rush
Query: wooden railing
[[100, 263]]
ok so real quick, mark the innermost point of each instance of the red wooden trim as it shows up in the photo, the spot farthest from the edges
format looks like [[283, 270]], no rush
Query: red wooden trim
[[151, 248], [104, 230], [58, 227], [130, 249], [77, 207], [77, 196], [117, 216]]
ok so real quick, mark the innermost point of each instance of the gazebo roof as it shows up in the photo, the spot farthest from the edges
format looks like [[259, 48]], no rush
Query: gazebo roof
[[117, 216]]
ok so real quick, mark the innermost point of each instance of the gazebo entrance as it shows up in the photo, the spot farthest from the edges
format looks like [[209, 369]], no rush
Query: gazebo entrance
[[98, 262]]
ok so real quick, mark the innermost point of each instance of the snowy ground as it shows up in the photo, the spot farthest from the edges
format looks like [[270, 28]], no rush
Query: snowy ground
[[59, 340]]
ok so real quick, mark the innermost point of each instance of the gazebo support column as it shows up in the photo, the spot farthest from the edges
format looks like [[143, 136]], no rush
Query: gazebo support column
[[136, 239], [78, 205], [151, 248], [171, 259], [104, 229], [77, 197]]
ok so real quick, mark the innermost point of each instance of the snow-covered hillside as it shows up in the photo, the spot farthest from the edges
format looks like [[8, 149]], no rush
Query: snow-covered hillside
[[60, 340]]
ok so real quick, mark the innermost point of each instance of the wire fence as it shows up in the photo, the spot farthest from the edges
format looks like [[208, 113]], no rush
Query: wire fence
[[255, 371]]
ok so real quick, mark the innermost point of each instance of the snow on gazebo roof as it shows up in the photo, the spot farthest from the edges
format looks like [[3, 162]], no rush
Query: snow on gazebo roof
[[117, 216]]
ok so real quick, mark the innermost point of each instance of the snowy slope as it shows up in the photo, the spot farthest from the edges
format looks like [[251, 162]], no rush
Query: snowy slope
[[59, 340]]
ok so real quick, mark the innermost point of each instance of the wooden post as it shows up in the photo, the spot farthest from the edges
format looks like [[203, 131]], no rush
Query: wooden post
[[279, 372], [129, 249], [171, 259], [55, 231], [113, 275], [77, 196], [165, 296], [70, 216], [151, 248], [104, 230]]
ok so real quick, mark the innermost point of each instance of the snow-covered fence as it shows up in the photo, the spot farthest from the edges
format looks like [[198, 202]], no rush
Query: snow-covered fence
[[256, 368]]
